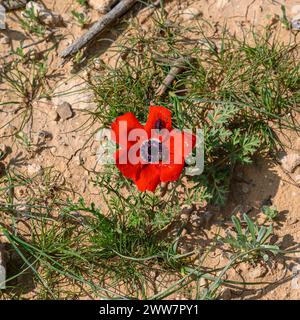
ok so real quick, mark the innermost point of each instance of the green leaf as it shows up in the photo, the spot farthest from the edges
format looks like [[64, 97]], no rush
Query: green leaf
[[237, 225], [261, 234], [268, 234], [250, 226]]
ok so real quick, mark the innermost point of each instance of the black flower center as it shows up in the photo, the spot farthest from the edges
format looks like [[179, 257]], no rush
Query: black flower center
[[151, 151]]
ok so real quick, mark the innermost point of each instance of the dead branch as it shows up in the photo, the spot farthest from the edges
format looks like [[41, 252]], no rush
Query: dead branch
[[121, 8], [14, 4], [178, 66]]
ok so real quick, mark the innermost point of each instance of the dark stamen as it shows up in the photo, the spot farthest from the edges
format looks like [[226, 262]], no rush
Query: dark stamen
[[159, 124], [151, 151]]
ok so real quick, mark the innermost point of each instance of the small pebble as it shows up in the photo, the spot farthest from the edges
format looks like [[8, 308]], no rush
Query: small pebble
[[98, 63], [64, 110], [196, 221], [290, 162], [226, 294], [102, 6], [44, 136], [13, 4], [45, 16], [34, 169], [295, 24]]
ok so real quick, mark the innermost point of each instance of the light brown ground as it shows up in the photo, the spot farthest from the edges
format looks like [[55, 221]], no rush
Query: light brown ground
[[67, 149]]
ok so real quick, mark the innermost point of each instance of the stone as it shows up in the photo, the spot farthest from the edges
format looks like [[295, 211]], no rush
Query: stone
[[226, 294], [295, 21], [44, 136], [51, 19], [102, 6], [45, 16], [295, 25], [98, 63], [290, 162], [190, 13], [36, 7], [13, 4], [34, 169], [196, 221], [64, 110], [2, 267]]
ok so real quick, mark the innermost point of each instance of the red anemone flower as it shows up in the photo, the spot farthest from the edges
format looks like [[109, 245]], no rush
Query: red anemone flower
[[152, 153]]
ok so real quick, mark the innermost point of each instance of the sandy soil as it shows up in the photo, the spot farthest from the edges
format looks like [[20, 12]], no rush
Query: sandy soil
[[69, 150]]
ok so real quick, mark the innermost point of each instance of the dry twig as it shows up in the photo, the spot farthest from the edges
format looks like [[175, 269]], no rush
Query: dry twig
[[177, 67], [105, 21]]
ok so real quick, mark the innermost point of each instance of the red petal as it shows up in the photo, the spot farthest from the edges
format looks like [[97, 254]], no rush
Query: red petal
[[170, 172], [189, 142], [181, 145], [158, 113], [127, 169], [121, 133], [148, 178]]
